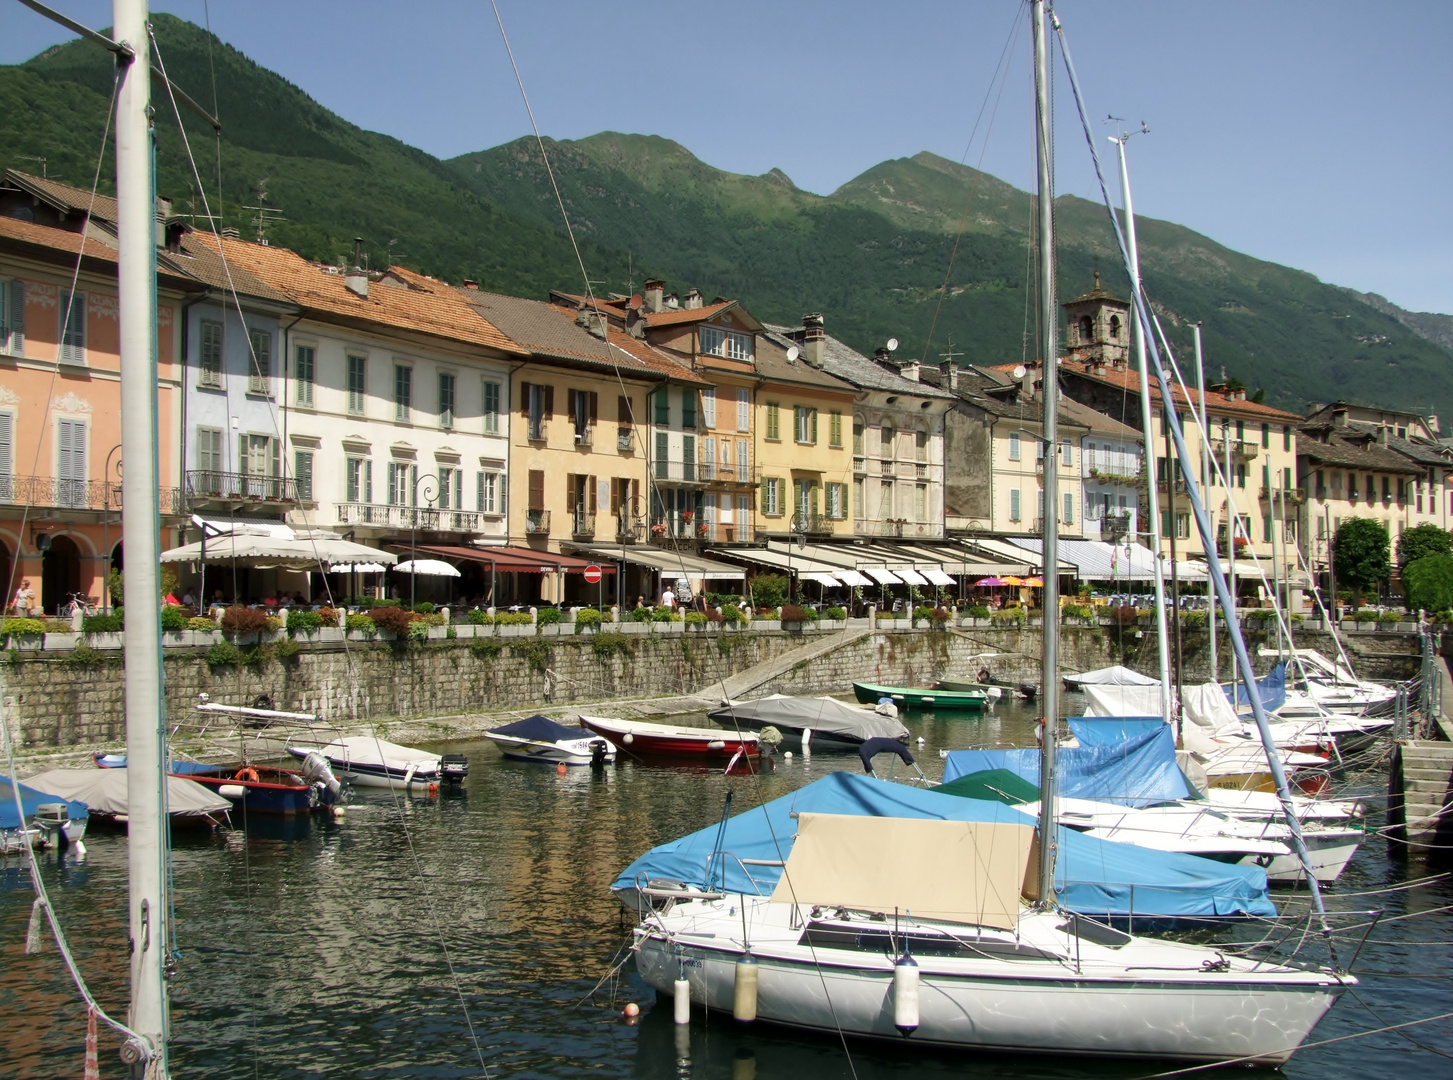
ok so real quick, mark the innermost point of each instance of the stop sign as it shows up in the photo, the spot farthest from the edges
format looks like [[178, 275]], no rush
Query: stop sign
[[592, 574]]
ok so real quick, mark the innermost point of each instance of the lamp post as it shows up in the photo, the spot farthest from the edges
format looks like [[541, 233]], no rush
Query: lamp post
[[106, 528], [430, 491]]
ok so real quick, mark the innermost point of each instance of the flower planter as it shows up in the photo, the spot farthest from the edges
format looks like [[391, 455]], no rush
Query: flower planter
[[438, 633], [520, 630], [26, 641], [832, 624], [60, 642], [634, 628], [104, 641], [330, 634], [359, 635], [794, 626], [766, 625]]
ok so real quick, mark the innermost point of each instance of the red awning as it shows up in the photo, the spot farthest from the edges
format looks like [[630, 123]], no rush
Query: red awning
[[515, 560]]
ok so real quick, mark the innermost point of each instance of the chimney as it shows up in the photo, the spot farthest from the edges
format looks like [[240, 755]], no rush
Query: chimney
[[163, 211], [909, 371], [1339, 418], [693, 300], [1026, 384], [1382, 434], [470, 283], [672, 302], [655, 292], [950, 370], [230, 232], [355, 279], [812, 339]]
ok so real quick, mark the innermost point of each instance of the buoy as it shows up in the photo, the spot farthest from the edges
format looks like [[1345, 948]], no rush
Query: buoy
[[787, 756], [631, 1009], [921, 740], [744, 994], [338, 812], [681, 1001], [806, 741], [628, 739], [560, 768], [905, 995]]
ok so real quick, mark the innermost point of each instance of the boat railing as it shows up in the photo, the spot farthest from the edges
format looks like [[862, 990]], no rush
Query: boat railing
[[723, 856]]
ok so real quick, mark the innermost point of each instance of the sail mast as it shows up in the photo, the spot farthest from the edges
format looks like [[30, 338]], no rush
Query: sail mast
[[148, 907], [1147, 424], [1049, 354], [1201, 419]]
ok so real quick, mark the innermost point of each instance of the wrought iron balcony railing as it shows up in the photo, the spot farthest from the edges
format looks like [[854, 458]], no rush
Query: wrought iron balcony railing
[[422, 518], [56, 493], [537, 522], [206, 484]]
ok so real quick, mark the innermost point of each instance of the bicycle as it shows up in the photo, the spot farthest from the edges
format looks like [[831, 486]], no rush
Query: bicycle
[[81, 605]]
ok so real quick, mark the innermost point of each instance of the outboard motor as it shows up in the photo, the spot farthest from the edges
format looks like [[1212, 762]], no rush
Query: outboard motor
[[51, 819], [317, 770], [453, 768], [598, 748]]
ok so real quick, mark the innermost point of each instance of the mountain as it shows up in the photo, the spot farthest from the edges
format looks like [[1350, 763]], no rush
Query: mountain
[[872, 256]]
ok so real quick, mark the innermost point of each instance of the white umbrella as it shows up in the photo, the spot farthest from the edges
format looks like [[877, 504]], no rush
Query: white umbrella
[[357, 568], [428, 567], [266, 551]]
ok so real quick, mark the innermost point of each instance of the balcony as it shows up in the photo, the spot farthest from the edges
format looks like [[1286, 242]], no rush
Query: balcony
[[1240, 450], [876, 527], [582, 525], [585, 437], [239, 489], [860, 465], [1180, 486], [54, 493], [537, 430], [681, 472], [712, 473], [630, 528], [420, 518], [1105, 475], [537, 522], [1293, 496], [1115, 525], [625, 439]]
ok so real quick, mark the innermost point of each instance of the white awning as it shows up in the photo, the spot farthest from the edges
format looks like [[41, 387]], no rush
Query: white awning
[[262, 550], [670, 565], [821, 579], [852, 577], [938, 577], [912, 577], [882, 577]]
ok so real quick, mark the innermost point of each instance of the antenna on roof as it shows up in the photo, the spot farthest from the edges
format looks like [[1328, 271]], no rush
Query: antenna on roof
[[264, 213], [31, 157], [951, 355]]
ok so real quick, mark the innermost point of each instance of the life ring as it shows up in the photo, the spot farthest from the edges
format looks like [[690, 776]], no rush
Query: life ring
[[248, 773]]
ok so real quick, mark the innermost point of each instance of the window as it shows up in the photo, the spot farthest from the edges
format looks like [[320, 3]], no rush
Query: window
[[727, 343], [403, 392], [539, 405], [451, 488], [1069, 515], [663, 408], [1351, 485], [739, 346], [72, 327], [836, 501], [1266, 477], [920, 502], [260, 455], [663, 451], [7, 455], [582, 405], [1266, 436], [804, 422], [303, 473], [742, 461], [71, 462], [1241, 431], [708, 406], [1241, 474], [887, 502], [491, 407], [1067, 454], [858, 437], [12, 317], [359, 472], [885, 442], [708, 455], [688, 457], [772, 497], [774, 422], [446, 400], [1015, 453], [1266, 529], [210, 462], [744, 410], [401, 488], [209, 359], [487, 491], [357, 383], [688, 407], [1183, 524], [1087, 330], [920, 445], [835, 430], [713, 341], [303, 360], [1014, 511], [858, 493], [1114, 327], [259, 376], [806, 501]]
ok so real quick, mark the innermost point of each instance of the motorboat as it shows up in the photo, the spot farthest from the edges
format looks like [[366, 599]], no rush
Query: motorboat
[[992, 691], [257, 789], [104, 791], [367, 761], [810, 723], [909, 697], [538, 738], [1114, 675], [43, 820], [647, 741]]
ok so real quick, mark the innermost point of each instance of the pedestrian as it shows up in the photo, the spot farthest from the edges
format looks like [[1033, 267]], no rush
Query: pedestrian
[[24, 599], [668, 599]]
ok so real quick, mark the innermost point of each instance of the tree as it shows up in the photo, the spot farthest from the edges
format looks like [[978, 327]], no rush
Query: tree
[[1428, 582], [1421, 541], [1360, 555], [769, 590]]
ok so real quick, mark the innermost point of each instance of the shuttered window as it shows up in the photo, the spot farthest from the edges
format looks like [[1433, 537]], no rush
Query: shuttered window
[[743, 410], [209, 359], [446, 400], [12, 317], [537, 489], [491, 407], [72, 327], [663, 450], [71, 462], [708, 406], [7, 456], [259, 379], [357, 384], [303, 474], [303, 362]]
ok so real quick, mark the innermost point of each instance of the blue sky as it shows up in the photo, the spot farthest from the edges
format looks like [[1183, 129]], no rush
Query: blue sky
[[1312, 134]]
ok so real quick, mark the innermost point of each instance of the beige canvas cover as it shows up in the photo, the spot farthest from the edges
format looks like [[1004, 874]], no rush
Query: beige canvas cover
[[969, 871]]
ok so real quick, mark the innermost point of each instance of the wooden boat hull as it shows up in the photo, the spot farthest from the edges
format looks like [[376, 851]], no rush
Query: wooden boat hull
[[915, 698], [660, 741]]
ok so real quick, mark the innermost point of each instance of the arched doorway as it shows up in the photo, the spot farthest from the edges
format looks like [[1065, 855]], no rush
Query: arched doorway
[[60, 573], [6, 566]]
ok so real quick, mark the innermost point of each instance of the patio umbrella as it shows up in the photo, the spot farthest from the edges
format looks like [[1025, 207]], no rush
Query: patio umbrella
[[427, 567], [1011, 580], [357, 568], [1038, 583], [988, 583]]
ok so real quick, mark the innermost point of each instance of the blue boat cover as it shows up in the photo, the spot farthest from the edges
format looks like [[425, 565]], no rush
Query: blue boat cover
[[175, 768], [541, 729], [1097, 878], [1272, 688], [29, 800], [1126, 760]]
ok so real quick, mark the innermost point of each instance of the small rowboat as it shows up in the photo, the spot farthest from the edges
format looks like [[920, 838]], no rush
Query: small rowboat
[[644, 740], [538, 738], [915, 698], [964, 686]]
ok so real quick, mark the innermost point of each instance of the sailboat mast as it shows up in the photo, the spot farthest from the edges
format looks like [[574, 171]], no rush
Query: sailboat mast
[[1049, 352], [148, 907], [1147, 424], [1201, 419]]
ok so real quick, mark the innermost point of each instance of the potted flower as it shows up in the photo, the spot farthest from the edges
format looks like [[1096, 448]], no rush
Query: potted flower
[[658, 529]]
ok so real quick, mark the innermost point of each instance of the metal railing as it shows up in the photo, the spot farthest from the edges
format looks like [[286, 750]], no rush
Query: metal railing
[[56, 493], [582, 525], [426, 518], [584, 436], [203, 484], [625, 440], [1239, 449], [685, 472], [537, 521], [537, 430], [875, 527]]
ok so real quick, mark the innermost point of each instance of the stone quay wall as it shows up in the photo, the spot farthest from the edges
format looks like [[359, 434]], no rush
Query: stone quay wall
[[54, 703]]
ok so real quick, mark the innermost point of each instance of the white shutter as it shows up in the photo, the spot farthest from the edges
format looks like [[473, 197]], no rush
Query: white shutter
[[708, 406], [7, 455]]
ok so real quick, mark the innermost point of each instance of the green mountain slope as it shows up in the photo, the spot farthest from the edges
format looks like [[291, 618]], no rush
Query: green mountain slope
[[332, 180]]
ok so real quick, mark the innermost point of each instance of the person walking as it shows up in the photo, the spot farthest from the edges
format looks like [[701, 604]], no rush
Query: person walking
[[24, 599], [668, 599]]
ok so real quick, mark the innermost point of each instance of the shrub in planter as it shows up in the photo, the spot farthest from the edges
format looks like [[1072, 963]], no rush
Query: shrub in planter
[[478, 618], [393, 619], [1122, 616], [418, 630], [423, 607], [103, 624], [304, 622], [202, 622], [587, 616], [362, 623], [769, 590], [224, 654], [837, 614], [548, 616], [1260, 615], [979, 611], [512, 618], [924, 612], [733, 615], [22, 627], [640, 614], [435, 618], [942, 616], [174, 618], [1007, 617], [1193, 618], [1077, 611], [695, 618], [714, 616], [244, 620], [328, 616], [794, 613], [662, 614], [1365, 616], [57, 626]]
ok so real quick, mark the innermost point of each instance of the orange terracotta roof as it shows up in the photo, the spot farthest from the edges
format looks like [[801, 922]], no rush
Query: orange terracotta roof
[[687, 315], [412, 301], [1128, 379], [55, 239], [653, 358]]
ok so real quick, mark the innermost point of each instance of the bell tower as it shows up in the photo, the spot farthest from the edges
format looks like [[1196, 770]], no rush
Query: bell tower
[[1099, 327]]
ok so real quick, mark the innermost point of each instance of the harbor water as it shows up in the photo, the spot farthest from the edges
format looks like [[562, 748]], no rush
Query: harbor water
[[353, 948]]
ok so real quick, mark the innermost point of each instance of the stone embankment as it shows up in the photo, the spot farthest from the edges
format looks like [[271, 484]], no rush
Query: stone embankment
[[59, 705]]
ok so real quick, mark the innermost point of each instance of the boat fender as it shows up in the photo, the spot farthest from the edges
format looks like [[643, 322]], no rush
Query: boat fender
[[628, 738], [716, 744], [806, 740], [232, 791], [681, 1000], [905, 995], [744, 993]]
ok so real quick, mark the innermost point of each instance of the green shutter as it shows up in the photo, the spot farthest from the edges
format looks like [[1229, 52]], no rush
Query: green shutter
[[814, 427]]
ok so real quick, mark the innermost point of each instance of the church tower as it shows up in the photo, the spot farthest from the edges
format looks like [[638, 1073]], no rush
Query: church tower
[[1099, 327]]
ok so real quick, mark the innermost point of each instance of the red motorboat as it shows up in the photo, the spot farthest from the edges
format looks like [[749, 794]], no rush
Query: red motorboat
[[648, 741]]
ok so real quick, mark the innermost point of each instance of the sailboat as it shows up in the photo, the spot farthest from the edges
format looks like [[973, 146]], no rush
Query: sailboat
[[942, 930]]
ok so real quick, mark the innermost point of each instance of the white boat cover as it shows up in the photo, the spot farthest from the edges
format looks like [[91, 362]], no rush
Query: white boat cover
[[824, 715], [1116, 699], [1115, 676], [367, 750], [104, 791], [961, 870]]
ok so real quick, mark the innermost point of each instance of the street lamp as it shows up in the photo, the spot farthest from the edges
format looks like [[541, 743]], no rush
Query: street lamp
[[106, 528], [430, 491]]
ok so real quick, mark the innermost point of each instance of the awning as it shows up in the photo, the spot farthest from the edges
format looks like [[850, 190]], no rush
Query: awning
[[781, 560], [882, 577], [821, 579], [513, 560], [669, 564], [852, 577], [357, 568], [938, 577], [268, 548], [912, 577], [1096, 560]]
